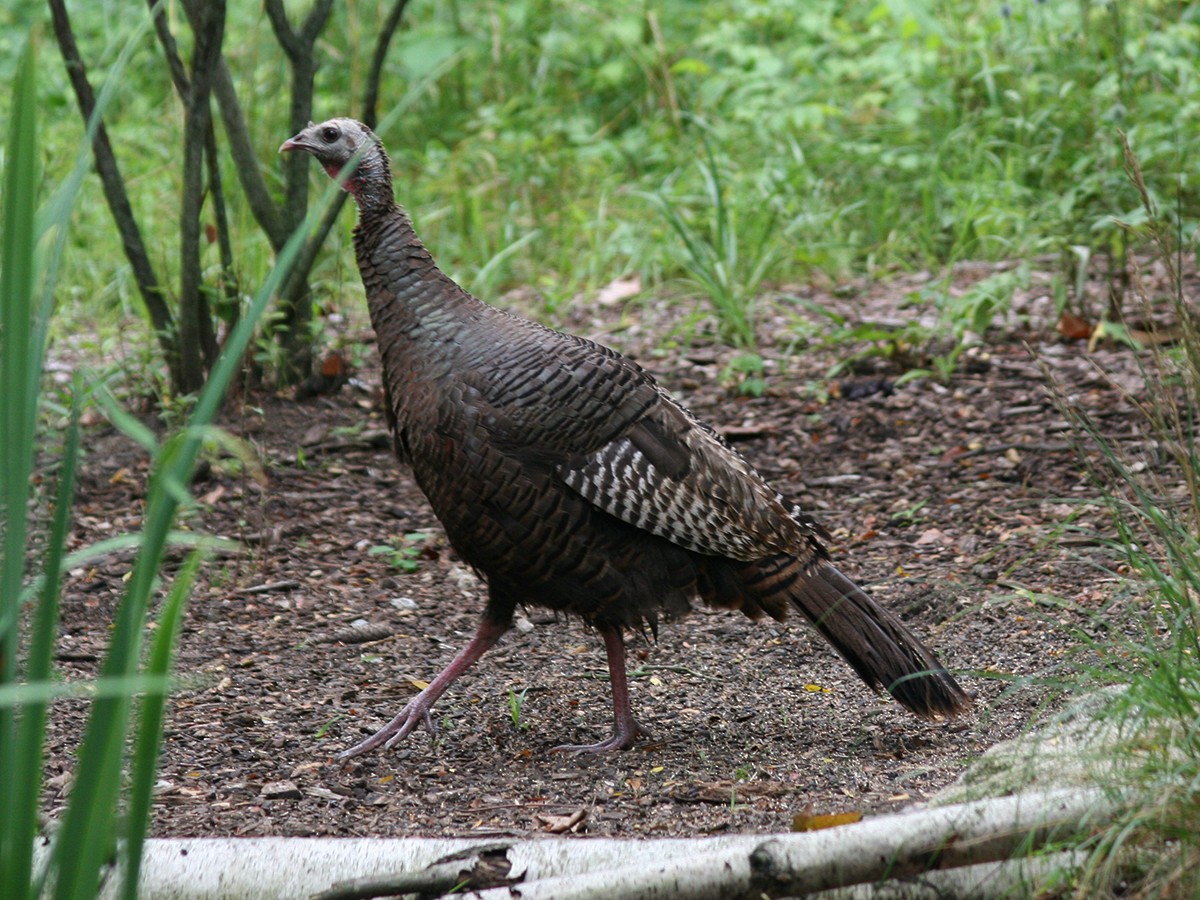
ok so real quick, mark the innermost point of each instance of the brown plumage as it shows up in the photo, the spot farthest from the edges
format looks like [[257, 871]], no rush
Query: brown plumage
[[566, 476]]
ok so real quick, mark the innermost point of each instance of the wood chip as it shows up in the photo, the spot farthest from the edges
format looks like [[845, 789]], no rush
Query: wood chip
[[281, 790]]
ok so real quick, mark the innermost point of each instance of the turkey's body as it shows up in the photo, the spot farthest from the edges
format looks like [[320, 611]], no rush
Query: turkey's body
[[566, 476]]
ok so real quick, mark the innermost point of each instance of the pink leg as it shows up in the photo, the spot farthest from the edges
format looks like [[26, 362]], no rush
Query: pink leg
[[627, 730], [417, 710]]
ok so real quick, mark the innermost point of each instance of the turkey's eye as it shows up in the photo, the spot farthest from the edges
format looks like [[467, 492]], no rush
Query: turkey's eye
[[329, 134]]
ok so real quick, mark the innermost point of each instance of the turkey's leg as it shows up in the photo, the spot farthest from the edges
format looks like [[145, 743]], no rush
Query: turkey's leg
[[417, 710], [627, 730]]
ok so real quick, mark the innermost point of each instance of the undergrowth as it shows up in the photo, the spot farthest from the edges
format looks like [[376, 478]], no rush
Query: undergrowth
[[732, 145], [1150, 655]]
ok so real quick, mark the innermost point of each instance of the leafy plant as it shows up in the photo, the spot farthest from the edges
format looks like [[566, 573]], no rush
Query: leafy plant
[[748, 371], [962, 320], [403, 553], [516, 706]]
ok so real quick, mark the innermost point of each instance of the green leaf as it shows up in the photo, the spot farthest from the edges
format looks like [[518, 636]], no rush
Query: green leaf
[[20, 365]]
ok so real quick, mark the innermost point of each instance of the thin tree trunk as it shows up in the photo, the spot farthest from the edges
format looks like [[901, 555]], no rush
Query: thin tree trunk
[[298, 45], [246, 159], [198, 347], [184, 88], [117, 197], [230, 290]]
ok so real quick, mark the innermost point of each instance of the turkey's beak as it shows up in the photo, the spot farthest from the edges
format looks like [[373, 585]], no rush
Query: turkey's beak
[[295, 143]]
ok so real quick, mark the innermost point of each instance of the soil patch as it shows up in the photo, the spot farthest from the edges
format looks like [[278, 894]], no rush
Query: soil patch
[[949, 502]]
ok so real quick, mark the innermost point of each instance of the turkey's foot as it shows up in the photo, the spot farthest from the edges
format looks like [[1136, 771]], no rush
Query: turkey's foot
[[417, 711], [627, 729], [623, 738], [405, 722]]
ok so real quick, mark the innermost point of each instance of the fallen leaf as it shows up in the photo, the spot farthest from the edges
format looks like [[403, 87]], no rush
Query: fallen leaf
[[1073, 328], [804, 822], [930, 536], [213, 496], [562, 824], [281, 790], [334, 365], [314, 435], [619, 289]]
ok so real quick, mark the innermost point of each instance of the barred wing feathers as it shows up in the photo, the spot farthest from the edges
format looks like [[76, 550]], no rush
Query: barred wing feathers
[[617, 439]]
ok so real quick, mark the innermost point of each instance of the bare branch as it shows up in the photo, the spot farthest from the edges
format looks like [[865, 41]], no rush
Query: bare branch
[[375, 76], [229, 281], [183, 87], [297, 282], [314, 22], [288, 39], [298, 43], [245, 158], [170, 49], [716, 868]]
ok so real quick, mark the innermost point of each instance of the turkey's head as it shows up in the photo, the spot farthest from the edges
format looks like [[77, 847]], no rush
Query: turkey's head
[[339, 144]]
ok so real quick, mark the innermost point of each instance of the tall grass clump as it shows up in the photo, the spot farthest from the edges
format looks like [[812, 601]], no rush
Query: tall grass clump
[[107, 813], [1152, 656], [728, 246]]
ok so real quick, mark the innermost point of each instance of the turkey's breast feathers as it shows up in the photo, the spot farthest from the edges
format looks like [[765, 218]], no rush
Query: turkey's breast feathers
[[551, 460]]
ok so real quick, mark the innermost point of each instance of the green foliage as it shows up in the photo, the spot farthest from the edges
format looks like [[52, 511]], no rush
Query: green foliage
[[774, 137], [516, 705], [403, 553], [1151, 658], [962, 319], [748, 371], [728, 249], [21, 349], [108, 809]]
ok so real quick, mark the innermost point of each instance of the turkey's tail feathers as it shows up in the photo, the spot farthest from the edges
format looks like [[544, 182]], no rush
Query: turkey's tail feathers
[[885, 654]]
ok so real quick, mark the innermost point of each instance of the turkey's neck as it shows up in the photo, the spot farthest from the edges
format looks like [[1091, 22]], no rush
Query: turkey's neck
[[414, 306]]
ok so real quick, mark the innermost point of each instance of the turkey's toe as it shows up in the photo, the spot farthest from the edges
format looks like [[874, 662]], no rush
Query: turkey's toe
[[393, 732], [623, 738]]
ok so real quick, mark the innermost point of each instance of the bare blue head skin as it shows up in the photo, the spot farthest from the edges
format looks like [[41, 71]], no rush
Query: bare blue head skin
[[336, 143]]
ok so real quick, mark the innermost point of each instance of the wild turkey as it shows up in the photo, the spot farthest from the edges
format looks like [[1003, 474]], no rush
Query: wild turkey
[[566, 476]]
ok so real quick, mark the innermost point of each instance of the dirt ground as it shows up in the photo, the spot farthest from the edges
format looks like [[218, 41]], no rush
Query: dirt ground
[[963, 506]]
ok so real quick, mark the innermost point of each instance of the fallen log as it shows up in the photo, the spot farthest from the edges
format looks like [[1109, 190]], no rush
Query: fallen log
[[971, 837]]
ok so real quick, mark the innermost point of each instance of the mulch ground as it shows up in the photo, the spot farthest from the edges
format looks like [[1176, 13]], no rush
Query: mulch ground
[[964, 506]]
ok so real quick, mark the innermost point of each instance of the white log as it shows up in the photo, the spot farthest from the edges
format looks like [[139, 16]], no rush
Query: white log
[[560, 868], [875, 850], [949, 837], [985, 881]]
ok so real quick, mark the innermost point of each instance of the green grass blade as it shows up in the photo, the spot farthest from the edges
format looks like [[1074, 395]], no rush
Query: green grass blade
[[22, 823], [46, 691], [153, 708], [19, 366], [79, 852]]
